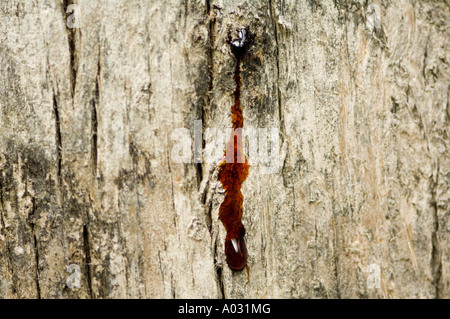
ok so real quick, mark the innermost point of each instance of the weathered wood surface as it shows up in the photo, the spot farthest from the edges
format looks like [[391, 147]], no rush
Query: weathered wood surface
[[359, 93]]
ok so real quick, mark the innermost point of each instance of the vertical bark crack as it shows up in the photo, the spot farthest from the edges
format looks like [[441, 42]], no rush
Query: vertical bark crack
[[35, 246], [36, 253], [336, 273], [209, 12], [87, 254], [172, 193], [94, 155], [2, 206], [160, 267], [277, 60], [72, 46], [58, 141], [436, 261], [219, 273], [94, 122]]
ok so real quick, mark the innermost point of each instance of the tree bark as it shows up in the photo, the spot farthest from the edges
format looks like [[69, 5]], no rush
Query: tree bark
[[358, 92]]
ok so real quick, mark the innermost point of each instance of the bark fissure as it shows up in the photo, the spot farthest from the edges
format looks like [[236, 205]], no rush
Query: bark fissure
[[171, 184], [336, 262], [160, 267], [219, 273], [14, 287], [2, 206], [32, 223], [87, 255], [211, 41], [94, 123], [209, 218], [94, 145], [447, 113], [172, 287], [72, 46], [277, 64], [58, 141], [36, 253], [424, 61], [436, 261]]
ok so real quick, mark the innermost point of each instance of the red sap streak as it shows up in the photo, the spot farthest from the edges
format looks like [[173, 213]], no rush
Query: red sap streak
[[232, 175]]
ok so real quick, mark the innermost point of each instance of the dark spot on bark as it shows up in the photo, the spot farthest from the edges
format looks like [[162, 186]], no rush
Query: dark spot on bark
[[314, 5], [395, 105], [140, 174]]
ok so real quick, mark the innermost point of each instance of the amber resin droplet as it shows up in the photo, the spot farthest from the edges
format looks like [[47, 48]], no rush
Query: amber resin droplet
[[232, 173], [236, 253]]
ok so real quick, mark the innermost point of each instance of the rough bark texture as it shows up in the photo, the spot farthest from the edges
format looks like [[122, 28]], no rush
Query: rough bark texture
[[87, 179]]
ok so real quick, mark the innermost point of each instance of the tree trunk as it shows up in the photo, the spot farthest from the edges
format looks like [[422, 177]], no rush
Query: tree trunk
[[94, 204]]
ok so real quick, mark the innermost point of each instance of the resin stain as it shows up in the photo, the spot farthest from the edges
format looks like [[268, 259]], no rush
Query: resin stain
[[233, 170]]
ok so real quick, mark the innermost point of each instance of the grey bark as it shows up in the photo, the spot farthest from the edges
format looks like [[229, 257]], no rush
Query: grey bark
[[359, 91]]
